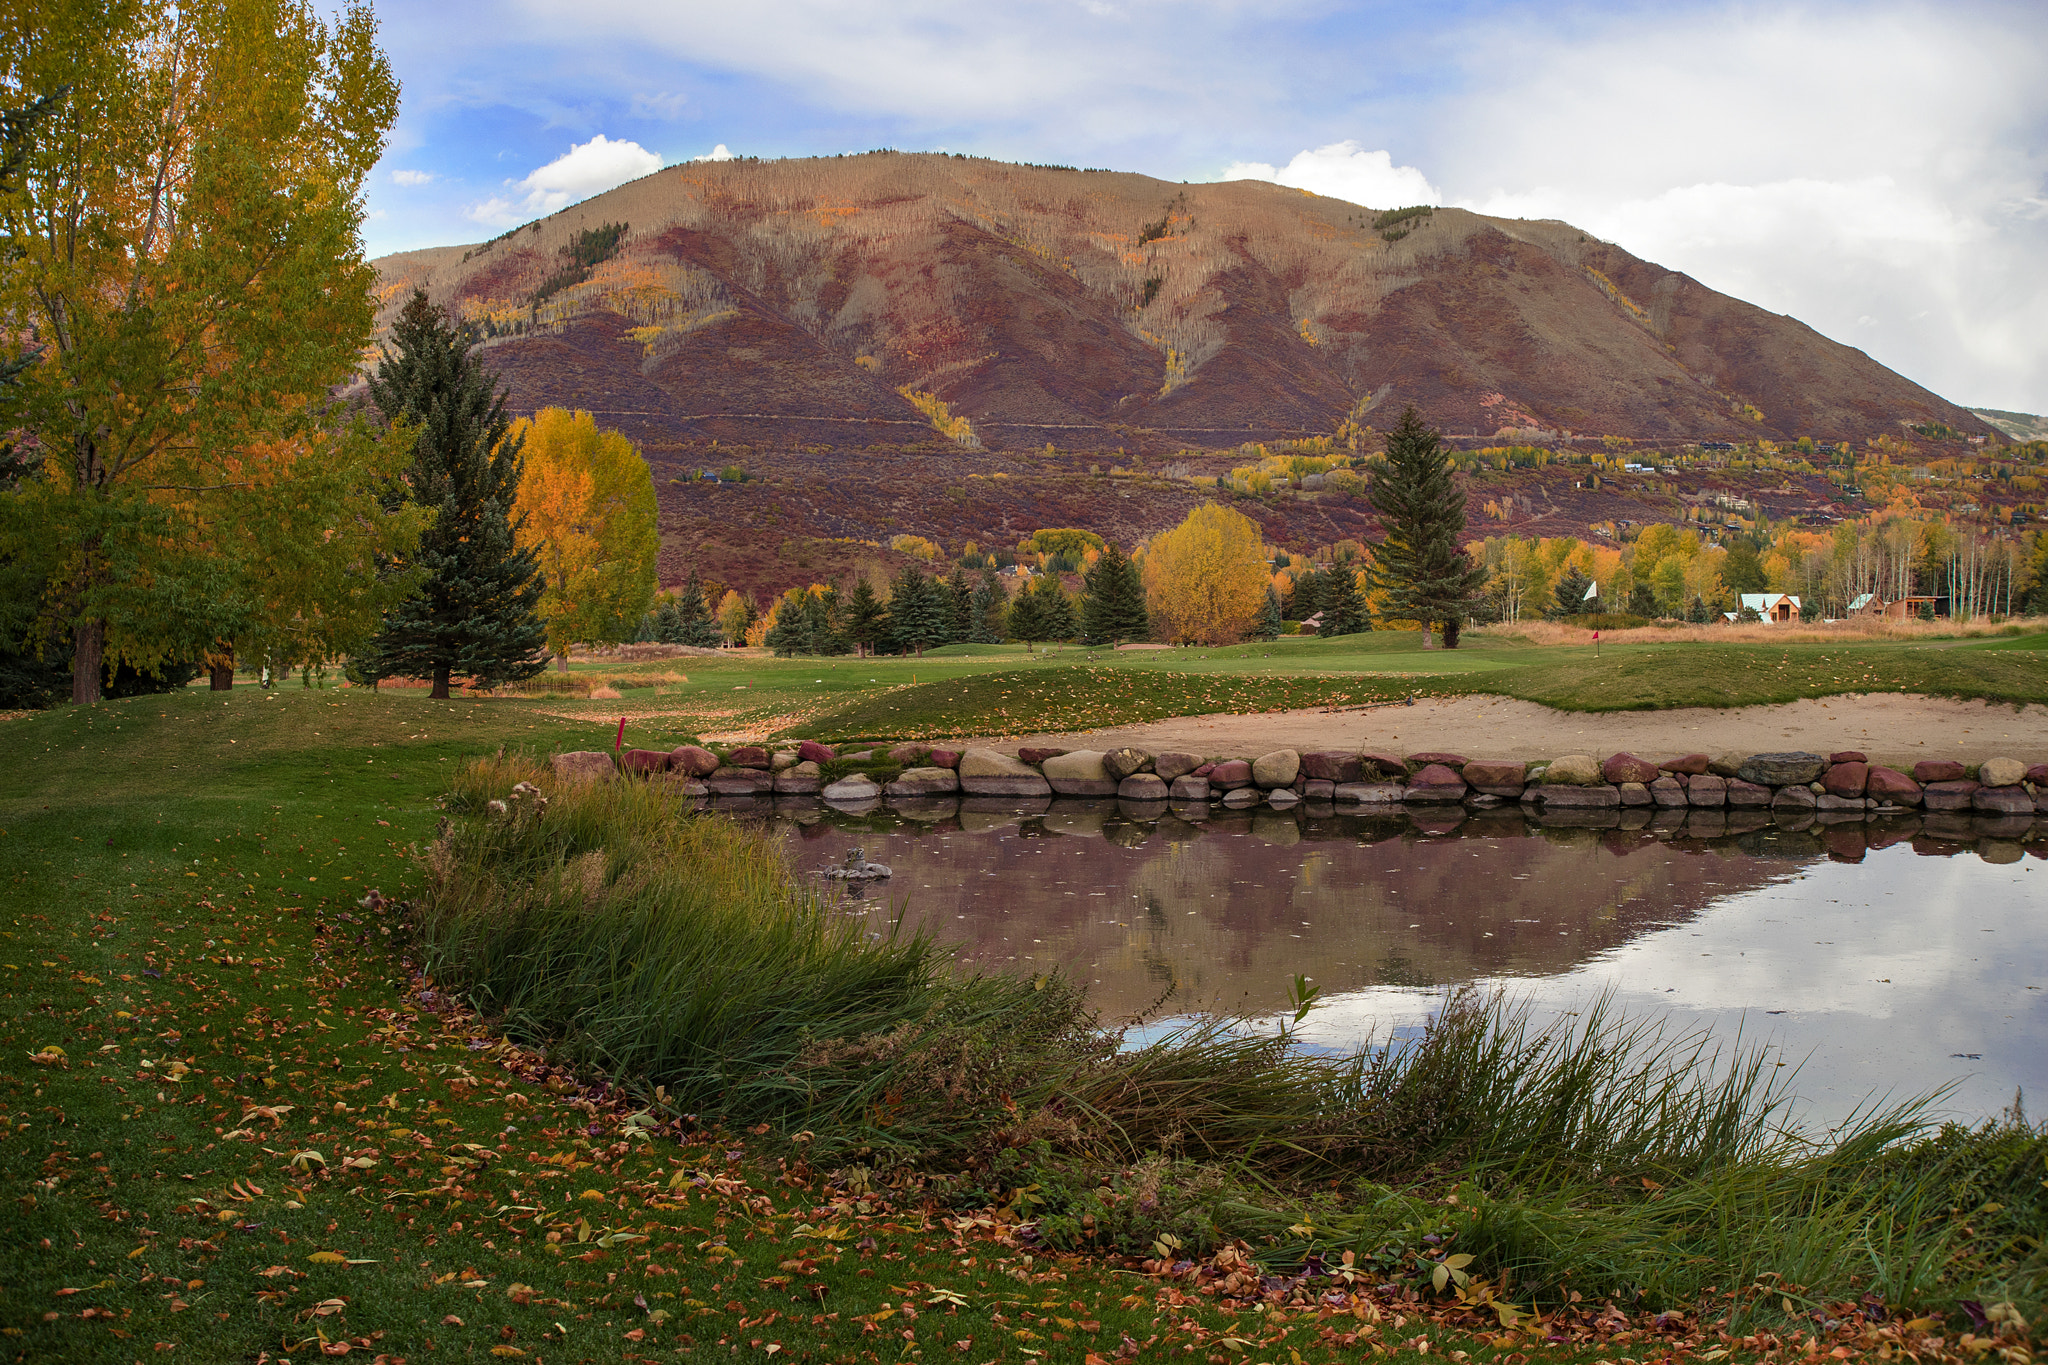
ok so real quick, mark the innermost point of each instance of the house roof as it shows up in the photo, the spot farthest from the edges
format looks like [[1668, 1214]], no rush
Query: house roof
[[1865, 600], [1764, 601]]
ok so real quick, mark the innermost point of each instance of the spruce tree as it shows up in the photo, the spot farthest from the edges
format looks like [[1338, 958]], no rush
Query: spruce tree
[[867, 620], [918, 611], [1055, 608], [1269, 616], [693, 624], [1027, 619], [985, 624], [475, 613], [960, 605], [1113, 607], [1344, 611], [1569, 597], [1418, 563]]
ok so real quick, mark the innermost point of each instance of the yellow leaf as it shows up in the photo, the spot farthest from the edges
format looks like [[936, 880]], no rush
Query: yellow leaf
[[328, 1258]]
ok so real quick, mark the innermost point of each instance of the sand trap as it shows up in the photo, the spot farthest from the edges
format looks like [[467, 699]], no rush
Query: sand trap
[[1890, 728]]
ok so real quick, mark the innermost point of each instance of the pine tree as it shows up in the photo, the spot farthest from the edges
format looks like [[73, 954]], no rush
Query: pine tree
[[1344, 611], [960, 619], [1570, 596], [1270, 618], [1055, 608], [985, 624], [867, 620], [917, 611], [1113, 608], [475, 613], [1418, 563], [1027, 619], [693, 625]]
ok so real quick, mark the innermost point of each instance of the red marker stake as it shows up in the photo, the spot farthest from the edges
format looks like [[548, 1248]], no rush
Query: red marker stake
[[622, 735], [1596, 654]]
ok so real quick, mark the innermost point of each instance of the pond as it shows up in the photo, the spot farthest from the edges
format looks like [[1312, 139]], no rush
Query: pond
[[1895, 956]]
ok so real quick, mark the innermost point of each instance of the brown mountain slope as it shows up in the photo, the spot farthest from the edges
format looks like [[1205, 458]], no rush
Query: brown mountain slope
[[786, 303]]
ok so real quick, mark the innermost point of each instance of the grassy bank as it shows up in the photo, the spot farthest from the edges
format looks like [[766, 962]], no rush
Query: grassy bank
[[236, 1125]]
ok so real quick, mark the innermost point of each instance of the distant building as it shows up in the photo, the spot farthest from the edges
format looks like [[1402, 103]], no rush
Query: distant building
[[1773, 608], [1905, 608]]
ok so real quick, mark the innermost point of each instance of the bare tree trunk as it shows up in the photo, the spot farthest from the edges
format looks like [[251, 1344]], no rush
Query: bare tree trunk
[[1451, 629], [221, 674], [88, 647], [440, 692]]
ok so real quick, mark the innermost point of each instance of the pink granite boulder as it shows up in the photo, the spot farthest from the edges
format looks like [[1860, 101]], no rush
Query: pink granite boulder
[[1332, 765], [1846, 777], [693, 760], [1687, 765], [748, 756], [1890, 787], [810, 751], [1628, 768], [643, 762], [1937, 770]]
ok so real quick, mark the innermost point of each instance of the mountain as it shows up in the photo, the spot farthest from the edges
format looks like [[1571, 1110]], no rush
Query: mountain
[[791, 300], [2021, 426]]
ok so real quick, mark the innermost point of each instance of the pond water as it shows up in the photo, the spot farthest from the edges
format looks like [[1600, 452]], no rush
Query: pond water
[[1883, 957]]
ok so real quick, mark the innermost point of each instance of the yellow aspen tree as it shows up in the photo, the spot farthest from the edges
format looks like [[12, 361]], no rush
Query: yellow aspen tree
[[586, 505], [1206, 578]]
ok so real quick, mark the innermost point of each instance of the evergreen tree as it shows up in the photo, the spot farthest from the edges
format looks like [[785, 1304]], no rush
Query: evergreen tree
[[1569, 599], [1027, 619], [806, 624], [1055, 608], [960, 620], [1304, 596], [1113, 604], [985, 624], [918, 611], [867, 620], [1699, 613], [1642, 601], [1419, 564], [693, 624], [1344, 611], [1270, 618], [475, 613]]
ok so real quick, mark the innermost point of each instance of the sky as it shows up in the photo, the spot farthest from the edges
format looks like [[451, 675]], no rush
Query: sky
[[1878, 171]]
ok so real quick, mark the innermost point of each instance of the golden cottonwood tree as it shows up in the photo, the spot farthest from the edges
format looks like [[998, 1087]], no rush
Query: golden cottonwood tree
[[586, 506], [182, 245], [1206, 579]]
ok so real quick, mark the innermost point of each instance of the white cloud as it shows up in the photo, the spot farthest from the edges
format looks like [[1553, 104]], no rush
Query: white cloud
[[667, 105], [585, 169], [495, 211], [1345, 170], [718, 153], [412, 177]]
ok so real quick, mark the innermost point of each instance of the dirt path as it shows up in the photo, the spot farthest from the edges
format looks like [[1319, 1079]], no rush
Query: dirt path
[[1890, 728]]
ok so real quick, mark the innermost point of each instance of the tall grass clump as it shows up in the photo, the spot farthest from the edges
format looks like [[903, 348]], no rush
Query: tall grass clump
[[1600, 1156]]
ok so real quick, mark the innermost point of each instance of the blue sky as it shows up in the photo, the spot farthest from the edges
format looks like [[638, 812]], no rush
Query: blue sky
[[1879, 171]]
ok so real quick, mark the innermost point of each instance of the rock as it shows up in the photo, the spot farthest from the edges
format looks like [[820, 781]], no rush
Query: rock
[[943, 758], [2038, 774], [1277, 769], [1332, 765], [1383, 765], [1947, 795], [1745, 793], [1188, 787], [1282, 797], [1601, 797], [1707, 790], [1891, 787], [2001, 772], [984, 772], [1780, 770], [1668, 791], [1794, 798], [1239, 797], [2007, 800], [1937, 770], [1142, 787], [1079, 772], [1419, 761], [1628, 768], [747, 756], [1170, 766], [810, 751], [858, 787], [798, 780], [1205, 769], [1229, 776], [1849, 756], [1035, 756], [1318, 789], [1435, 782], [1369, 793], [584, 765], [924, 782], [693, 760], [1635, 793], [784, 758], [735, 781], [642, 762], [1121, 762], [1725, 765], [909, 755], [1572, 770], [1847, 778], [1831, 802], [1686, 765], [1485, 773]]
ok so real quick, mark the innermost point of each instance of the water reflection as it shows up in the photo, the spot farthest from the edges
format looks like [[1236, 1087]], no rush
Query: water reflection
[[1900, 954]]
